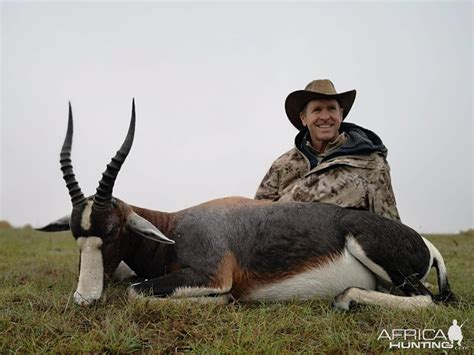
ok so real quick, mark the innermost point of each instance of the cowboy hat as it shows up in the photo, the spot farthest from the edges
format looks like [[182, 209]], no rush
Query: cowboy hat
[[317, 89]]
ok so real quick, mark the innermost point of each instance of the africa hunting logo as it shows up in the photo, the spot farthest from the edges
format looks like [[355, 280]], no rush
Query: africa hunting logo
[[424, 338]]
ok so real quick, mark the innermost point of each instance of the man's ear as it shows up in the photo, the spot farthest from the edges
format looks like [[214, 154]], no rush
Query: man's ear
[[341, 109], [61, 224], [302, 118]]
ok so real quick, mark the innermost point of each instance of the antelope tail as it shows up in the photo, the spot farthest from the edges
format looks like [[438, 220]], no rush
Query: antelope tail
[[445, 294]]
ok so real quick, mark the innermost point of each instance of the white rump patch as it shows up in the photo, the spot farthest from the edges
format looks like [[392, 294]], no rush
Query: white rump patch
[[356, 250], [86, 215], [91, 274], [323, 281]]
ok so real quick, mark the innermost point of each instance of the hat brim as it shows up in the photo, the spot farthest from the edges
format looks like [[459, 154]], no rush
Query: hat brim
[[297, 100]]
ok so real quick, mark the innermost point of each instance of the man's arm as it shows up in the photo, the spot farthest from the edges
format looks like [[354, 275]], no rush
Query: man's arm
[[384, 203], [268, 189]]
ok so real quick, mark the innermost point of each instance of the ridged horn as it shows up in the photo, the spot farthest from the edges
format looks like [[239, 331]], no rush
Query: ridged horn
[[103, 196], [77, 197]]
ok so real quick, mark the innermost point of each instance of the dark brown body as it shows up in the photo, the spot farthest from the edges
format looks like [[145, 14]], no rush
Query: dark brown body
[[245, 243]]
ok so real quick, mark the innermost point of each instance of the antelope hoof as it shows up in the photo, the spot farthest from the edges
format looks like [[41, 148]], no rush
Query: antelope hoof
[[133, 294], [343, 302], [84, 300]]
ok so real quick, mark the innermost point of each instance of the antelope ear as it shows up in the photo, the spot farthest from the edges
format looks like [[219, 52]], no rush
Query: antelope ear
[[144, 228], [59, 225]]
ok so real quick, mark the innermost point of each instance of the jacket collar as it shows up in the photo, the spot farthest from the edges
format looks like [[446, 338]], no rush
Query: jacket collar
[[360, 141]]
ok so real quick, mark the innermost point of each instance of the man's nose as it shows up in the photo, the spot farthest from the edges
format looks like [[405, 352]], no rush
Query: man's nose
[[325, 115]]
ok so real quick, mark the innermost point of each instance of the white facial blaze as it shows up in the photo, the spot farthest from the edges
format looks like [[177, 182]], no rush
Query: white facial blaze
[[86, 216], [91, 274]]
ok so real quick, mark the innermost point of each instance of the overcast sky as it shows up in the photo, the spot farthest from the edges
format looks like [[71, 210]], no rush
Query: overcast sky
[[210, 80]]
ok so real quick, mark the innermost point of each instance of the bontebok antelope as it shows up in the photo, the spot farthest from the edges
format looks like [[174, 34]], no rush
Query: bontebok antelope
[[242, 249]]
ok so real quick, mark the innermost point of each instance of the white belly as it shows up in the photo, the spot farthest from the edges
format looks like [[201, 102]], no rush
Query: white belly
[[319, 282]]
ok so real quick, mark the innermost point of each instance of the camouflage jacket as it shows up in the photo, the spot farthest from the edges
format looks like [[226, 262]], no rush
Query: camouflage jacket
[[355, 174]]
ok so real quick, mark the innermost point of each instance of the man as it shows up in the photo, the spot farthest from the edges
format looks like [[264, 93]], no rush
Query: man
[[332, 161]]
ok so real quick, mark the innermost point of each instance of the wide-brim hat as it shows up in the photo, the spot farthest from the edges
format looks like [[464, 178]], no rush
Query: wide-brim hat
[[317, 89]]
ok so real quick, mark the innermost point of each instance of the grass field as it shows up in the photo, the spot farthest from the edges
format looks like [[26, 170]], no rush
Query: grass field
[[38, 274]]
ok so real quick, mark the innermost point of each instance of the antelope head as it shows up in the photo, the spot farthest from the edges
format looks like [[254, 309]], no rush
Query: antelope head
[[103, 226]]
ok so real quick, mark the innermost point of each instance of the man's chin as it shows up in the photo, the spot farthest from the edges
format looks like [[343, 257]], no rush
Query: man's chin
[[326, 137]]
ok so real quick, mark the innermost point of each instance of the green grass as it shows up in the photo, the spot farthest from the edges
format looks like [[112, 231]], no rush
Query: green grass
[[38, 274]]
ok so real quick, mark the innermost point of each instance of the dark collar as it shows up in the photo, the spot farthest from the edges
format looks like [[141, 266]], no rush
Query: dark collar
[[360, 141]]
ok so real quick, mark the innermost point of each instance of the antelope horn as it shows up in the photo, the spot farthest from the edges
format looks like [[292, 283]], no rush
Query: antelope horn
[[77, 197], [103, 196]]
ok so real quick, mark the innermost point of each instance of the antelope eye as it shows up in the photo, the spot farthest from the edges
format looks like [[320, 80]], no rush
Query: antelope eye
[[112, 230]]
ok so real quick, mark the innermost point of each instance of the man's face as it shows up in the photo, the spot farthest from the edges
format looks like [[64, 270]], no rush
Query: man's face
[[323, 119]]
